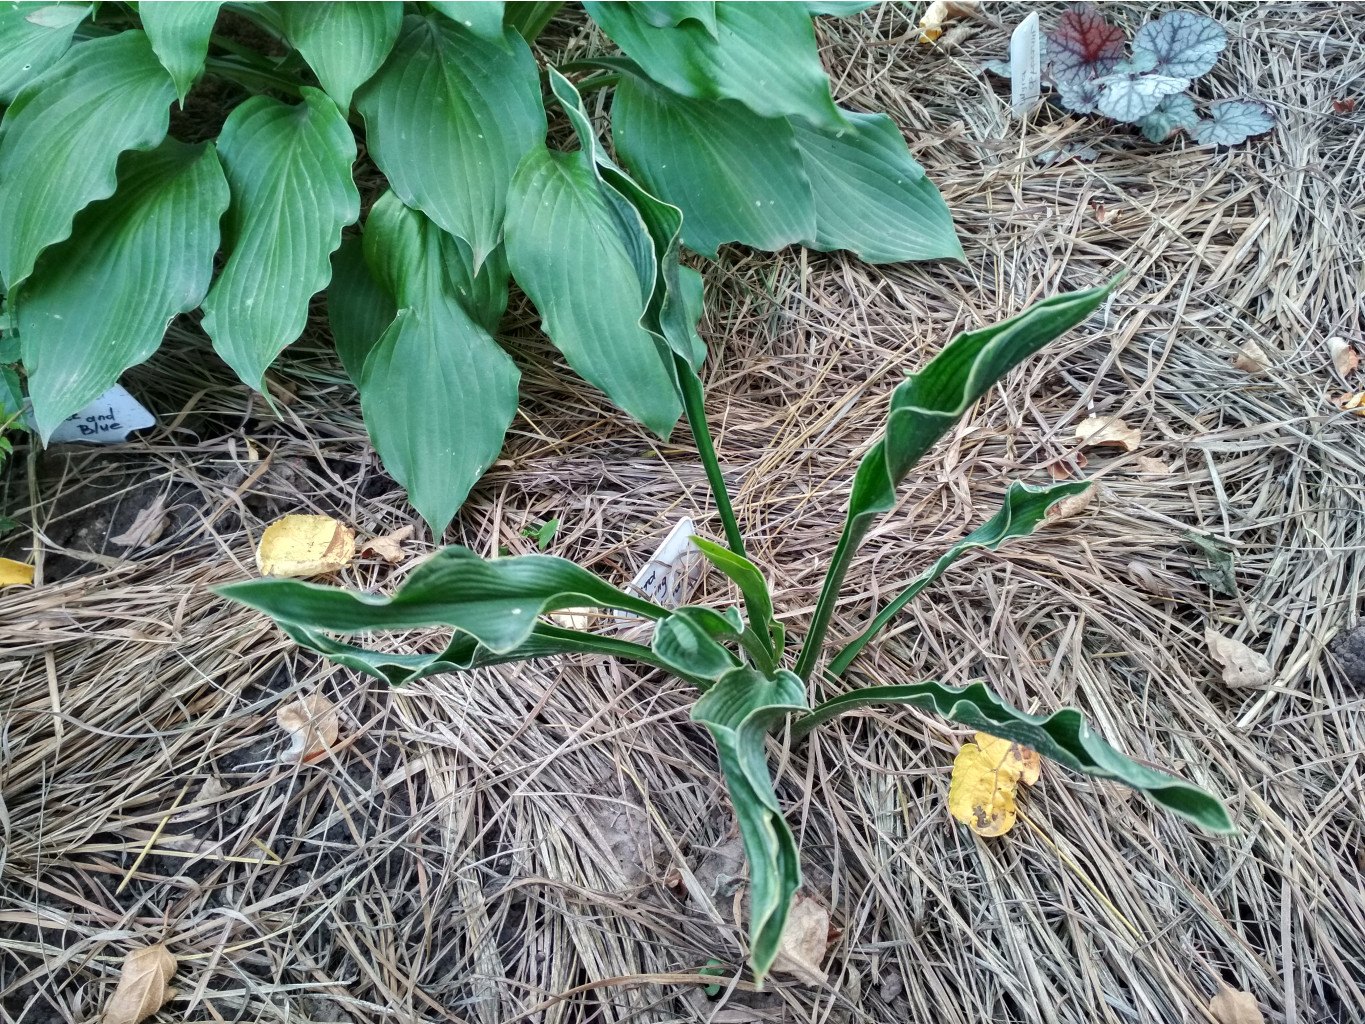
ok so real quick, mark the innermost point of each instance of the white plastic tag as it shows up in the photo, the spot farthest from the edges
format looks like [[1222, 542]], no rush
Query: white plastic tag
[[1026, 73], [671, 576], [106, 420]]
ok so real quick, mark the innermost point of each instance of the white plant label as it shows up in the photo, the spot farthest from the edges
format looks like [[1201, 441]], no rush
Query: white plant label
[[1026, 72], [671, 576], [106, 420]]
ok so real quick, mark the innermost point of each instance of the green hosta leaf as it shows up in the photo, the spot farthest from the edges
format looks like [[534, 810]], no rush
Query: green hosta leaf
[[651, 230], [839, 8], [449, 117], [179, 31], [754, 587], [667, 13], [738, 711], [436, 391], [359, 311], [871, 196], [344, 42], [289, 168], [686, 643], [737, 177], [530, 17], [495, 601], [1063, 736], [29, 45], [482, 17], [1023, 509], [760, 54], [11, 402], [464, 652], [568, 252], [922, 410], [61, 139], [99, 302]]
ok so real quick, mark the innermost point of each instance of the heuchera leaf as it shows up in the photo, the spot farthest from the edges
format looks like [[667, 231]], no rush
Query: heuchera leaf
[[1083, 45], [1171, 114], [1180, 44], [1062, 736], [1079, 95], [1130, 97], [1233, 121]]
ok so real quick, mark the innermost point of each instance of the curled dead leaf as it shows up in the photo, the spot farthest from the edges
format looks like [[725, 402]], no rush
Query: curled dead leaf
[[15, 574], [1147, 465], [1240, 664], [143, 985], [390, 546], [1107, 432], [1063, 467], [1072, 506], [1251, 358], [1233, 1006], [304, 546], [986, 774], [1344, 357], [805, 939], [147, 527], [313, 725], [1351, 402], [940, 11]]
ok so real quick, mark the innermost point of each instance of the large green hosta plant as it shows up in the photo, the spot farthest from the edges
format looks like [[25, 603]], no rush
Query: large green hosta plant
[[109, 226], [738, 660]]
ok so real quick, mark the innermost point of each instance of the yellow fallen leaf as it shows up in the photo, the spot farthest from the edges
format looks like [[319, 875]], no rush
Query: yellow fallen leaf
[[1251, 358], [1232, 1006], [15, 574], [985, 776], [931, 25], [1240, 664], [312, 724], [1071, 506], [1344, 357], [390, 546], [1107, 432], [805, 939], [1353, 402], [142, 986], [304, 546]]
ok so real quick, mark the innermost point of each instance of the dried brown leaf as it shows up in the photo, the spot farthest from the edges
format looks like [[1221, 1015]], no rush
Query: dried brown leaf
[[147, 527], [1107, 432], [805, 939], [940, 11], [390, 546], [1351, 402], [1240, 664], [313, 725], [1251, 358], [1148, 465], [1233, 1006], [143, 985], [304, 546], [1344, 357], [1072, 506]]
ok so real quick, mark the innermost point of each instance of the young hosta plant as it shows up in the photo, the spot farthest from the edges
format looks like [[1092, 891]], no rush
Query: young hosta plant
[[738, 660], [110, 227], [1091, 72]]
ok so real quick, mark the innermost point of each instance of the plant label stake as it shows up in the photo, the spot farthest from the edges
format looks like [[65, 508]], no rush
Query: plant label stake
[[109, 419], [671, 575], [1026, 74]]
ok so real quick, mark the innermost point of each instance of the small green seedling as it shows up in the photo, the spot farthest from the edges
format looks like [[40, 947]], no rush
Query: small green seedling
[[738, 661], [543, 535], [714, 969]]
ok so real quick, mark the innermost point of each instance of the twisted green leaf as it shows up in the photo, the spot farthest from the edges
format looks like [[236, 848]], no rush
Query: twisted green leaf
[[1023, 509], [496, 602], [922, 410], [61, 139], [1062, 736], [738, 712], [289, 168], [99, 302], [345, 42], [757, 601], [180, 32], [685, 643]]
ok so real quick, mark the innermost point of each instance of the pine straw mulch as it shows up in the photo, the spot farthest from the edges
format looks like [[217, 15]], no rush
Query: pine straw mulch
[[551, 842]]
